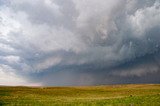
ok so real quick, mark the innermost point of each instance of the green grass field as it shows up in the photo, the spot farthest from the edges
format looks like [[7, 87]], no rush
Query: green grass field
[[114, 95]]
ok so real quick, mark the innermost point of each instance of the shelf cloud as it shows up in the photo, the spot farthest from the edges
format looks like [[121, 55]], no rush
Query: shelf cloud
[[79, 42]]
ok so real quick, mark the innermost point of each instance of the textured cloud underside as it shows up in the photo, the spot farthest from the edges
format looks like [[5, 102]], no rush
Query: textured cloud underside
[[79, 42]]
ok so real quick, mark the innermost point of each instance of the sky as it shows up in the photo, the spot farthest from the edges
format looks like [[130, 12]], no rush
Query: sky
[[79, 42]]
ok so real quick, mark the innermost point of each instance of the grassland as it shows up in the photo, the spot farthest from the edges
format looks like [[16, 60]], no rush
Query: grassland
[[114, 95]]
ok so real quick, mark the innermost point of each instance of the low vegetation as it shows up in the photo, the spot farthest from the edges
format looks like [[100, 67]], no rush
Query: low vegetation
[[113, 95]]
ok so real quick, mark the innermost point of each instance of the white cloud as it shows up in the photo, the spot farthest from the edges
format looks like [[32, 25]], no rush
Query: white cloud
[[145, 19], [49, 62], [8, 24], [8, 77], [6, 48], [11, 59]]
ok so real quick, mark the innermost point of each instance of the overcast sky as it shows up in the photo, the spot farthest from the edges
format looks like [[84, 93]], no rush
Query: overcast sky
[[79, 42]]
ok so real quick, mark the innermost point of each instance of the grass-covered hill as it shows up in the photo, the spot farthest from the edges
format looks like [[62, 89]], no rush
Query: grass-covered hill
[[113, 95]]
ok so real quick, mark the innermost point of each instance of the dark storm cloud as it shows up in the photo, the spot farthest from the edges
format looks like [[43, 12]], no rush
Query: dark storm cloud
[[72, 42]]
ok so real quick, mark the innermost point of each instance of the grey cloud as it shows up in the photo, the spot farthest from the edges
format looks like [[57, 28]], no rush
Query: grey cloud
[[72, 42]]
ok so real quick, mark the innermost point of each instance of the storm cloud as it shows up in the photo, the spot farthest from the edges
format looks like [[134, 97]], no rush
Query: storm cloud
[[79, 42]]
